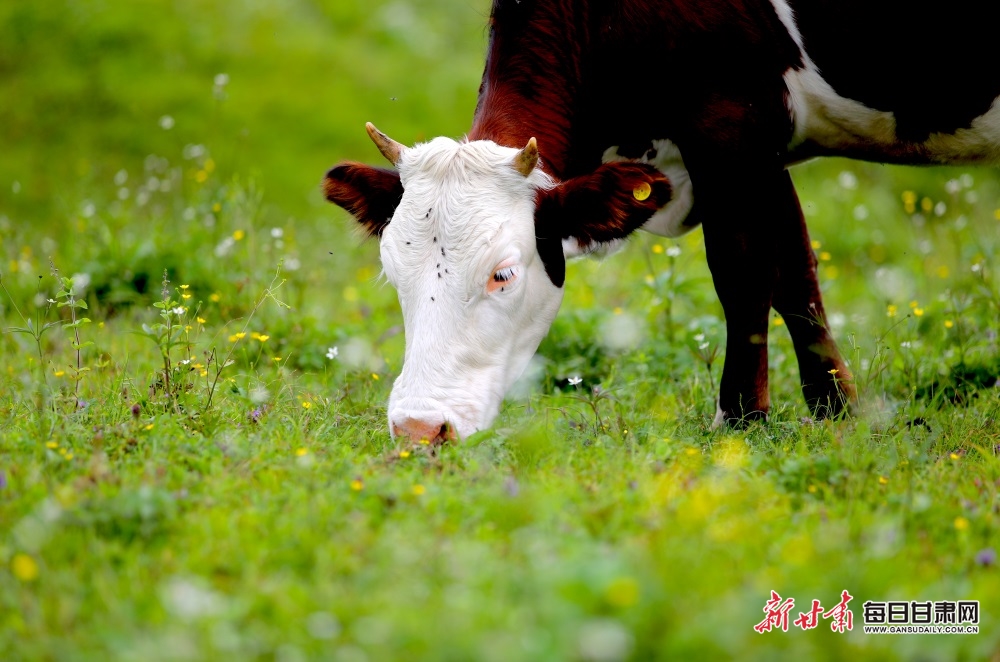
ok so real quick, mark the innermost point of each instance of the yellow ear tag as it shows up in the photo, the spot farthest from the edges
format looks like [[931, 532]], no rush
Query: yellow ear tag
[[642, 191]]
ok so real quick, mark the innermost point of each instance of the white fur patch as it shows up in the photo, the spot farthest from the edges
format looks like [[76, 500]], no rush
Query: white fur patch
[[465, 210], [837, 125]]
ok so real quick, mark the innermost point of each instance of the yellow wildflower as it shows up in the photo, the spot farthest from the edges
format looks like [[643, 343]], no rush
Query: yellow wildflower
[[148, 427], [300, 452], [215, 297], [239, 234], [948, 324], [24, 568], [657, 248], [200, 320], [307, 405], [882, 480], [357, 485], [961, 524], [418, 490], [891, 310], [404, 454], [918, 312], [623, 592]]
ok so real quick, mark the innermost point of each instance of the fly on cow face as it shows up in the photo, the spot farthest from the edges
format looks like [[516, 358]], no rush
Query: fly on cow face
[[468, 248]]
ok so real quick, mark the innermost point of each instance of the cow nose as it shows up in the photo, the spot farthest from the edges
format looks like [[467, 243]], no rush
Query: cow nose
[[434, 429]]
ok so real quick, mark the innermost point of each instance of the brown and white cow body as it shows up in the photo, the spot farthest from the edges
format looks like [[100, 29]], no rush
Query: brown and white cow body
[[660, 114]]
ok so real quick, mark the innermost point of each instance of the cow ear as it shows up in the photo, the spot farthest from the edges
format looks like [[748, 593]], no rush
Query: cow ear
[[603, 206], [369, 194]]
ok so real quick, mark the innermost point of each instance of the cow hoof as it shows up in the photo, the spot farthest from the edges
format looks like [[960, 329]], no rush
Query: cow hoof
[[737, 421]]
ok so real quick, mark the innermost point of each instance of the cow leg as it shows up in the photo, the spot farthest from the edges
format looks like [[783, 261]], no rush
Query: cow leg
[[737, 213], [826, 381]]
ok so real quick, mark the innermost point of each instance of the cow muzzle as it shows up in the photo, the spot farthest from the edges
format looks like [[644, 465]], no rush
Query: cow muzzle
[[428, 426]]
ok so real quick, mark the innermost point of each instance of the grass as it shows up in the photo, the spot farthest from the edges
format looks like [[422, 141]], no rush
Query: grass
[[188, 492]]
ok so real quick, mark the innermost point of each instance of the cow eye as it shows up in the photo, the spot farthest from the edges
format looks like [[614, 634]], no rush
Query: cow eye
[[503, 275], [501, 278]]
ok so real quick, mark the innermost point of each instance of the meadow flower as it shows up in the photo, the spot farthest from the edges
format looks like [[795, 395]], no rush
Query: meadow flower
[[673, 251], [891, 310], [331, 353], [825, 256], [307, 405], [418, 490], [986, 557], [238, 235], [882, 480], [51, 444], [574, 381], [961, 524], [658, 248], [948, 324], [24, 568], [166, 122], [300, 452], [404, 454], [214, 297], [357, 485]]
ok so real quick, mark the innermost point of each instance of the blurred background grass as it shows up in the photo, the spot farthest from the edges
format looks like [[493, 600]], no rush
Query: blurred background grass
[[85, 85]]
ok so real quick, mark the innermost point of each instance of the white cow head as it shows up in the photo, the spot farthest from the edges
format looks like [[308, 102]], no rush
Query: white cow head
[[471, 236]]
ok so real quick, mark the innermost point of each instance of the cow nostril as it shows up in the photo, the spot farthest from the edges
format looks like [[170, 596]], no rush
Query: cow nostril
[[447, 432]]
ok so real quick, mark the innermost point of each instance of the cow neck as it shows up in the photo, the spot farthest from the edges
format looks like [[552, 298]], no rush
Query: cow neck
[[533, 77]]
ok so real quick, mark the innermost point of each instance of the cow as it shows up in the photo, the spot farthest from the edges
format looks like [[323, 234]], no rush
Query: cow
[[596, 118]]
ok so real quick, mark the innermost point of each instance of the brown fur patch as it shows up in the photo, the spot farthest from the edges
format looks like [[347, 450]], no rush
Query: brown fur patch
[[601, 206], [369, 194]]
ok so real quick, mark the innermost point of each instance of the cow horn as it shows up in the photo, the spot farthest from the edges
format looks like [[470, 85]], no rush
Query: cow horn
[[390, 149], [527, 158]]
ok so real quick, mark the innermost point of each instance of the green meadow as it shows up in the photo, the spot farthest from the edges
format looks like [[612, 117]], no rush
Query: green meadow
[[197, 350]]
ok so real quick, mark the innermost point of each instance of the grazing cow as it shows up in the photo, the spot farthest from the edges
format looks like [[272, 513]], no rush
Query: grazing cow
[[660, 115]]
